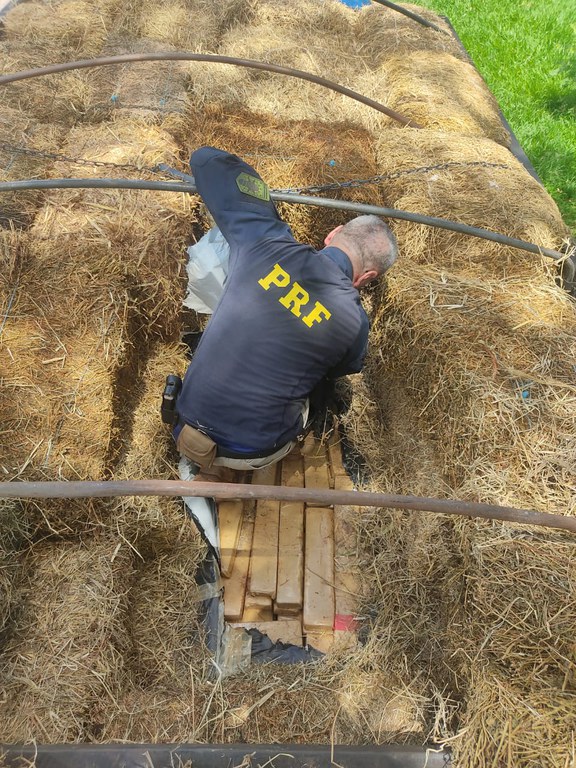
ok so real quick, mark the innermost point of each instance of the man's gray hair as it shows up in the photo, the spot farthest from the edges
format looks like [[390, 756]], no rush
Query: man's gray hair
[[372, 241]]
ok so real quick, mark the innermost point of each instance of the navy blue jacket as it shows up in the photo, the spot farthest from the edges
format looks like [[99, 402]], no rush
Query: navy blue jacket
[[288, 317]]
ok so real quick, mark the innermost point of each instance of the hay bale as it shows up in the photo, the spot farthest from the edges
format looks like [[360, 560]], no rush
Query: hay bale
[[68, 29], [315, 37], [467, 349], [439, 91], [170, 23], [64, 344], [520, 590], [64, 99], [381, 32], [190, 25], [142, 240], [151, 451], [468, 393], [65, 656], [167, 638], [295, 702], [61, 345], [14, 533], [470, 190], [153, 91], [504, 725], [124, 141], [289, 35], [157, 716], [142, 234], [385, 427], [22, 133], [57, 399], [38, 34], [157, 91], [343, 699], [414, 568]]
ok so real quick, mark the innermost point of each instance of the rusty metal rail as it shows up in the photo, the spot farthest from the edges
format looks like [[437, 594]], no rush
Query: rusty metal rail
[[320, 497]]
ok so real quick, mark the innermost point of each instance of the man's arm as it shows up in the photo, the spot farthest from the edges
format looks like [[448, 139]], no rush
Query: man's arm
[[324, 401], [236, 196], [353, 360]]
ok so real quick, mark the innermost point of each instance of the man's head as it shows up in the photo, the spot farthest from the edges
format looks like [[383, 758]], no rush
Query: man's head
[[370, 245]]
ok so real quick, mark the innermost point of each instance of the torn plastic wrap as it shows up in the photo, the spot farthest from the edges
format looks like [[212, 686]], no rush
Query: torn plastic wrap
[[207, 270], [202, 512]]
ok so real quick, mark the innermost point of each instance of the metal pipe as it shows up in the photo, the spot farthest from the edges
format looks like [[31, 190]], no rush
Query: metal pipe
[[411, 15], [207, 57], [321, 497], [285, 197]]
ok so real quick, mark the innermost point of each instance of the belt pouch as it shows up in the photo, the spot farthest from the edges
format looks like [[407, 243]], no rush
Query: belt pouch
[[196, 446]]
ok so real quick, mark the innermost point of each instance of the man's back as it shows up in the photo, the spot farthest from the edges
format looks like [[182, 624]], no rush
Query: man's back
[[288, 316]]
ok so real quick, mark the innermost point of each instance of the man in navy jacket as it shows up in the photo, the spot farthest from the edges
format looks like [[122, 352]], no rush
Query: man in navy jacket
[[289, 317]]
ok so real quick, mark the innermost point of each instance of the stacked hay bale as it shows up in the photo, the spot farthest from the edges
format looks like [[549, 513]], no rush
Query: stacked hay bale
[[151, 453], [469, 391], [165, 689], [64, 658], [189, 25], [427, 75], [337, 43], [61, 342], [166, 664], [463, 317], [72, 27], [96, 276], [157, 90], [38, 34], [315, 37], [143, 234], [20, 132]]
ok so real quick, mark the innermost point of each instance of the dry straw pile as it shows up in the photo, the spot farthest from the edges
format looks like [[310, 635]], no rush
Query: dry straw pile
[[468, 390], [65, 656], [41, 33], [150, 451], [17, 129]]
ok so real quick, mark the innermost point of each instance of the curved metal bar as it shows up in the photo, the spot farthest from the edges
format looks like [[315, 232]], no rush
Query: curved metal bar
[[207, 57], [321, 497], [285, 197], [411, 15]]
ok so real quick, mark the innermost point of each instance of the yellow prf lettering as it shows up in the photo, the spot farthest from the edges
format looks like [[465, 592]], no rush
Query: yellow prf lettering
[[296, 296], [318, 313], [278, 277]]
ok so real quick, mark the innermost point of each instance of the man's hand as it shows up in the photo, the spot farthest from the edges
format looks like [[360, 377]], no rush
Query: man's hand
[[328, 399]]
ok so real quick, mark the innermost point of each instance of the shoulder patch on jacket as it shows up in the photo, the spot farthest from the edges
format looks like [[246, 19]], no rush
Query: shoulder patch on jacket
[[253, 186]]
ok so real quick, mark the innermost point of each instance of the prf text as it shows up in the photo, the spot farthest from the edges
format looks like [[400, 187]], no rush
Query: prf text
[[296, 298]]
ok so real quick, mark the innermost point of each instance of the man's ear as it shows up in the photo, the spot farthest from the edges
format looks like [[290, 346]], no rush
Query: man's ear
[[365, 278], [330, 235]]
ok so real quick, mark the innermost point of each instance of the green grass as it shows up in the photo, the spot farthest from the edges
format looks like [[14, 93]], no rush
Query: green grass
[[526, 52]]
